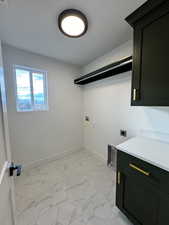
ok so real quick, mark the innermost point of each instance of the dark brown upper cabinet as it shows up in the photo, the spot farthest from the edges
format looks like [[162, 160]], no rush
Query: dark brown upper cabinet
[[150, 79]]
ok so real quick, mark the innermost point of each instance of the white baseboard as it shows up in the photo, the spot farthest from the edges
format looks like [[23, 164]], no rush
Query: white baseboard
[[50, 159], [98, 155]]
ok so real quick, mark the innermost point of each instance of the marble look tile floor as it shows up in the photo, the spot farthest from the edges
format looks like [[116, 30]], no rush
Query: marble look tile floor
[[76, 190]]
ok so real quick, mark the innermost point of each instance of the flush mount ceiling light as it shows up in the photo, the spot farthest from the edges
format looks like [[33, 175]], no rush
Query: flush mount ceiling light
[[72, 23]]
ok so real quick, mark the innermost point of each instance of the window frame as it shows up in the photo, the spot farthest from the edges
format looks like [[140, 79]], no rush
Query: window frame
[[45, 80]]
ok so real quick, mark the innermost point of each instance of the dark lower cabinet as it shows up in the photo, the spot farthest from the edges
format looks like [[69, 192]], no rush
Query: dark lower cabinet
[[164, 209], [136, 196], [140, 194]]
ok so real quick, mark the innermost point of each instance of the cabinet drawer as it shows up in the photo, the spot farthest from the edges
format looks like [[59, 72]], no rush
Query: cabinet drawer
[[132, 165]]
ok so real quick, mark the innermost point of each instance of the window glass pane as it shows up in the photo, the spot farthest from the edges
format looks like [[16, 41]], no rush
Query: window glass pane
[[38, 90], [24, 102]]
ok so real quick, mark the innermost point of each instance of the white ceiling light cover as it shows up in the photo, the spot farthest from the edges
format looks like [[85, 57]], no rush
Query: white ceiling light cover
[[72, 23]]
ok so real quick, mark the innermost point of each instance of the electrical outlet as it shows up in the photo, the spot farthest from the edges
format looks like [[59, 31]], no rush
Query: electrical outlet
[[123, 133]]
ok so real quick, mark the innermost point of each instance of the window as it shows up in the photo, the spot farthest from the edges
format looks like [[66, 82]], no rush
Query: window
[[31, 89]]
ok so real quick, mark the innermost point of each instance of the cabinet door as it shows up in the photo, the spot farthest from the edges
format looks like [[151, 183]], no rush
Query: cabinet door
[[138, 199], [150, 82], [164, 209]]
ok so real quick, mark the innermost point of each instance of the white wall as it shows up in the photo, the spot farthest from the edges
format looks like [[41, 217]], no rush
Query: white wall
[[40, 135], [107, 103]]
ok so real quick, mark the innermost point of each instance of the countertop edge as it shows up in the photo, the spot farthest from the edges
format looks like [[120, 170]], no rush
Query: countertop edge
[[144, 159]]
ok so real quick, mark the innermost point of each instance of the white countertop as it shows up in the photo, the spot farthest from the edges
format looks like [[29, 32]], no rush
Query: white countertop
[[150, 150]]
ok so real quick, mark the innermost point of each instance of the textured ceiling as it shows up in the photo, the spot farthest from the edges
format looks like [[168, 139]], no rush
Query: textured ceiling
[[32, 25]]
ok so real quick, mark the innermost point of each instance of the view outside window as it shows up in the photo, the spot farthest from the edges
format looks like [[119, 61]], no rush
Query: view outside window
[[31, 90], [38, 90]]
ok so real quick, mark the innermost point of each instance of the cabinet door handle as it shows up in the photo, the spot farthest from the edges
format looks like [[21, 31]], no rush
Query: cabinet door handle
[[118, 178], [134, 94], [139, 170]]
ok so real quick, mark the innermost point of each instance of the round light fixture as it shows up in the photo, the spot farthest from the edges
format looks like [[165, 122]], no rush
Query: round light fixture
[[72, 23]]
